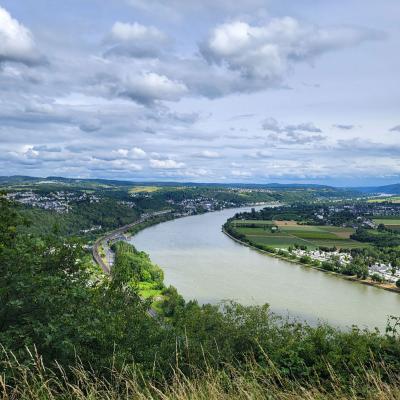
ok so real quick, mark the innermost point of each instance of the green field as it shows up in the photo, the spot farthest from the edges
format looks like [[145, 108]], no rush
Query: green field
[[388, 220], [310, 236], [145, 189], [392, 222], [390, 199], [252, 221]]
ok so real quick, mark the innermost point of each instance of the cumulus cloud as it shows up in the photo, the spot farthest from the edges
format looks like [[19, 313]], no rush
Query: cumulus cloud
[[260, 154], [266, 53], [178, 8], [395, 129], [166, 164], [272, 125], [293, 134], [150, 87], [366, 146], [91, 125], [208, 154], [344, 127], [135, 40], [16, 41], [135, 153], [241, 174], [49, 149]]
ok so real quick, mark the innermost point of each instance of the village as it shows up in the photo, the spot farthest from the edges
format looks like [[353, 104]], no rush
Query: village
[[59, 201], [386, 271]]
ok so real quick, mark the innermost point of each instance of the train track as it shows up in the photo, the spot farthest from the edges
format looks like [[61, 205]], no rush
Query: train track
[[112, 236]]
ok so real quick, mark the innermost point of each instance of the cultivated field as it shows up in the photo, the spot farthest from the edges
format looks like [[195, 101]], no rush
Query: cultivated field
[[390, 199], [144, 189], [283, 234], [392, 222]]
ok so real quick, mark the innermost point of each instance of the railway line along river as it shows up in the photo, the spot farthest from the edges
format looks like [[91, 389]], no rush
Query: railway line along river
[[206, 265]]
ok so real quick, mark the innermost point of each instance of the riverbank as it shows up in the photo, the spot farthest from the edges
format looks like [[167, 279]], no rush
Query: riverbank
[[379, 285], [141, 224]]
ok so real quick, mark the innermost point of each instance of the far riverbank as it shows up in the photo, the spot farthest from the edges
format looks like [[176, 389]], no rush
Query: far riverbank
[[369, 282]]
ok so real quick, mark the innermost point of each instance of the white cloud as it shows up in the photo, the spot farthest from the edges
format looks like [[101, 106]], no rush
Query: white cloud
[[136, 40], [150, 87], [241, 174], [267, 52], [344, 127], [208, 154], [126, 32], [137, 153], [303, 133], [166, 164], [395, 129], [16, 41], [177, 8]]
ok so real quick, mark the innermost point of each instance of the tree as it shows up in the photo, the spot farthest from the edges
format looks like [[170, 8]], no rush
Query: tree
[[48, 300], [398, 283]]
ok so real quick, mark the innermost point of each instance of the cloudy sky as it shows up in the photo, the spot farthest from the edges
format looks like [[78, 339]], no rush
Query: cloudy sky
[[212, 90]]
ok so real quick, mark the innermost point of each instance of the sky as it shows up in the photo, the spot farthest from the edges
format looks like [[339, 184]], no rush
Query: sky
[[259, 91]]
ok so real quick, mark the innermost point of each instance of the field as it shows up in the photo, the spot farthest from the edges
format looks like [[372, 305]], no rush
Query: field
[[283, 234], [145, 189], [392, 222], [390, 199]]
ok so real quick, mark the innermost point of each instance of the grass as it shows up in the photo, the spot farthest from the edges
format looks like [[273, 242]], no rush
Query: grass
[[259, 231], [313, 236], [250, 221], [390, 222], [390, 199], [145, 189], [282, 242], [251, 382], [343, 244], [149, 289]]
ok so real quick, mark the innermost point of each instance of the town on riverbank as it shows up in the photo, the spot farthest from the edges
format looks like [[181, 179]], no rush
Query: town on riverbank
[[358, 240]]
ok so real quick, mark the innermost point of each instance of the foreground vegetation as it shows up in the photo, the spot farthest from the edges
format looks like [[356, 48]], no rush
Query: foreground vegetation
[[35, 382], [67, 333]]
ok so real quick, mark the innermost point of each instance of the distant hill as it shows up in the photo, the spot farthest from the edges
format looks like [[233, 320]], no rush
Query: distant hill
[[388, 189], [21, 179]]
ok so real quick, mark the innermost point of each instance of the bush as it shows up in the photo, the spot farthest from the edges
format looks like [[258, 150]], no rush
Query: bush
[[305, 259], [377, 278]]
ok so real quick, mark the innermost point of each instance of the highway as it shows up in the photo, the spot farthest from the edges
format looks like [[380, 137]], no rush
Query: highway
[[104, 240]]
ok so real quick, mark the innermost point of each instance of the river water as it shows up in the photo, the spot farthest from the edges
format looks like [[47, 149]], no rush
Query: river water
[[204, 264]]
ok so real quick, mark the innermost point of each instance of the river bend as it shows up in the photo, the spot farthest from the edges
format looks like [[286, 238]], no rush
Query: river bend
[[204, 264]]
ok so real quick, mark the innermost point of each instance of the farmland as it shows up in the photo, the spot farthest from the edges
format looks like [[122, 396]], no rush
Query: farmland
[[145, 189], [389, 199], [282, 234], [391, 222]]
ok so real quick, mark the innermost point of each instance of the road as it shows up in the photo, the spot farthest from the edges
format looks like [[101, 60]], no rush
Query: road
[[114, 235], [106, 266]]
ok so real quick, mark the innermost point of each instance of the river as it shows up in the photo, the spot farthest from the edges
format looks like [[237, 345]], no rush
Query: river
[[206, 265]]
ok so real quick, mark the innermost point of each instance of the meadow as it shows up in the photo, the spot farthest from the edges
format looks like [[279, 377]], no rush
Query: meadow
[[391, 222], [145, 189], [389, 199], [283, 234]]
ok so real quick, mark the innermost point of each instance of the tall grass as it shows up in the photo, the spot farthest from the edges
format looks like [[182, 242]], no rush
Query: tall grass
[[36, 382]]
